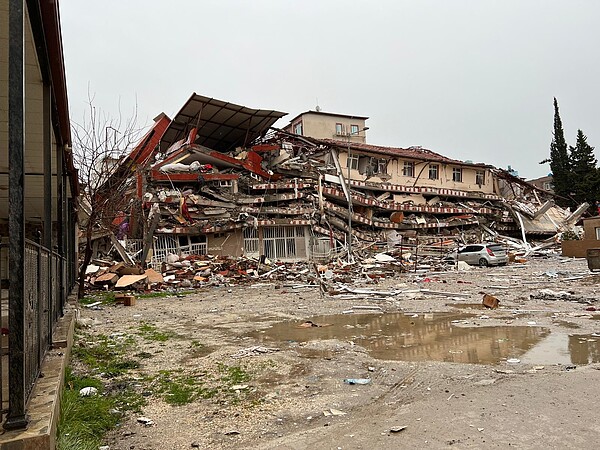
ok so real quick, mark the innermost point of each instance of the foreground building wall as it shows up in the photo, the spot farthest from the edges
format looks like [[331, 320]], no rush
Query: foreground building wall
[[38, 201]]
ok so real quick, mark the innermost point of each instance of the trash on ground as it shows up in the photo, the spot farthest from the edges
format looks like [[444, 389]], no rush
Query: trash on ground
[[88, 391], [357, 380], [145, 421], [254, 351]]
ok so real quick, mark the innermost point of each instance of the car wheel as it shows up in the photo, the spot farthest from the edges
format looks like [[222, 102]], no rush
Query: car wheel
[[483, 262]]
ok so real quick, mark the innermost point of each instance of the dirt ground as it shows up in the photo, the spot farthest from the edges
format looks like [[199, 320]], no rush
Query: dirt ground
[[296, 397]]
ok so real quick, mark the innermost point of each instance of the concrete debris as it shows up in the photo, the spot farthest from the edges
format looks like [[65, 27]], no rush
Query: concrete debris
[[128, 280], [489, 301], [254, 351]]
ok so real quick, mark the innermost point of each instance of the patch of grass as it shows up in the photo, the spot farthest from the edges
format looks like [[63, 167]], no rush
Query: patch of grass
[[84, 420], [107, 298], [156, 295], [105, 355], [127, 398], [231, 375], [87, 300], [179, 389], [151, 333]]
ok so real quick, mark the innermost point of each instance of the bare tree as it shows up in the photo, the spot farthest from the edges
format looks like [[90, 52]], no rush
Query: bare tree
[[100, 146]]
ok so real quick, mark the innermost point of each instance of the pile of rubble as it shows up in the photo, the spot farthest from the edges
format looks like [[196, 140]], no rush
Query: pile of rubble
[[210, 201], [368, 264], [194, 271]]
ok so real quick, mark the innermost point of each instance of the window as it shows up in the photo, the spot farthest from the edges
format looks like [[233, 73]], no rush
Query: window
[[379, 165], [480, 177], [471, 249], [251, 242], [298, 128], [434, 171], [353, 129], [409, 169], [353, 162], [339, 129], [457, 175], [284, 242], [598, 234], [225, 183], [548, 186]]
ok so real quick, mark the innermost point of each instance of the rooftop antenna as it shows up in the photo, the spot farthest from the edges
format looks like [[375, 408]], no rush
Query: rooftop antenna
[[318, 108]]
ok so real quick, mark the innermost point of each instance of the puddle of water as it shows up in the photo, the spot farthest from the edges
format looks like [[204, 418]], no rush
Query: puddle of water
[[561, 348], [567, 324], [466, 305], [428, 337]]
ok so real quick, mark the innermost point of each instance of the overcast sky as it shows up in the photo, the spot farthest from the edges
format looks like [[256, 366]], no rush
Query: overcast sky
[[472, 80]]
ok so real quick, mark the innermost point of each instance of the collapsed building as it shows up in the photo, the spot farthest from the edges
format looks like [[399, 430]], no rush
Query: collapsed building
[[218, 179]]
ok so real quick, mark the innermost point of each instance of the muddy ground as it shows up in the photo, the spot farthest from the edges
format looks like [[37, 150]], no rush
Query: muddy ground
[[523, 375]]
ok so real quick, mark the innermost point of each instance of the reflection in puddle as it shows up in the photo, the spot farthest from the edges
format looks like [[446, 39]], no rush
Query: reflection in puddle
[[466, 305], [567, 324], [427, 337], [560, 348]]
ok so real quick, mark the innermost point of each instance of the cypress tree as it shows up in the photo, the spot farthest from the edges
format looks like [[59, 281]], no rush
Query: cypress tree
[[559, 160], [584, 179]]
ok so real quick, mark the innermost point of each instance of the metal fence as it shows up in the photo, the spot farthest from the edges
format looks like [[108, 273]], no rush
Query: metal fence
[[44, 301], [4, 323]]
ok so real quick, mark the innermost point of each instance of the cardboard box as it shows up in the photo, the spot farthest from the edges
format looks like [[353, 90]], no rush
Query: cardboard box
[[127, 300]]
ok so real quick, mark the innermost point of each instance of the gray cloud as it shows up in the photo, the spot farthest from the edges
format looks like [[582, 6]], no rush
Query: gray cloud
[[473, 80]]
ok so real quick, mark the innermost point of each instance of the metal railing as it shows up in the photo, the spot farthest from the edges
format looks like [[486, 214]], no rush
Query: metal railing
[[4, 323], [44, 301]]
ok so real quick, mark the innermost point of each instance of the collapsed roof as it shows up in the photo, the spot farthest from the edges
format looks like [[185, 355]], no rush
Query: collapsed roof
[[220, 125]]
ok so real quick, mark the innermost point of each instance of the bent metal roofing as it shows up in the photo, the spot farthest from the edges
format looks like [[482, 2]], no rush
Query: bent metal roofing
[[410, 152], [221, 125]]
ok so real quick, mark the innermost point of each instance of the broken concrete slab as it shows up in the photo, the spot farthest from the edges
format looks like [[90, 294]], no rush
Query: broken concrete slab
[[129, 280]]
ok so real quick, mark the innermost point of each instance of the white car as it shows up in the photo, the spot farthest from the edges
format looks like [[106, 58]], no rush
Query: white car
[[486, 254]]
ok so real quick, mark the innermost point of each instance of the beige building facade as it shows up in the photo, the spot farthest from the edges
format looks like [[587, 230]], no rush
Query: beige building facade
[[324, 125], [416, 169]]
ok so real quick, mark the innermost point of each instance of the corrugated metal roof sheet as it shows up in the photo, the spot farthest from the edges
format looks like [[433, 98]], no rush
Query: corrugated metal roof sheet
[[221, 125]]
